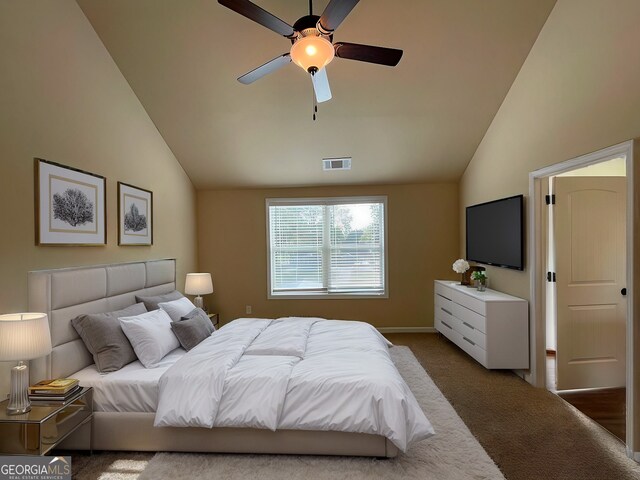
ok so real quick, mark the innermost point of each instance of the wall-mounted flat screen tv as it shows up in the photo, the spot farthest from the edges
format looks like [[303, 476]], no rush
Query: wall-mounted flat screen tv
[[495, 233]]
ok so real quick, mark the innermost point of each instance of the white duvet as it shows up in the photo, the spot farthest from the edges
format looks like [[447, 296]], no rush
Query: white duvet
[[293, 373]]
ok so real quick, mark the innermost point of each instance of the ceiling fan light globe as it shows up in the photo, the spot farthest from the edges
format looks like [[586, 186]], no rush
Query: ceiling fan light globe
[[312, 52]]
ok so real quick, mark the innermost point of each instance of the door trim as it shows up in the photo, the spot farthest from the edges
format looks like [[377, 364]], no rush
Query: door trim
[[537, 245]]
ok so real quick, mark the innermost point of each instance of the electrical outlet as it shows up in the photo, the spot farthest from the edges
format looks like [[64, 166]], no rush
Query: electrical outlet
[[248, 309]]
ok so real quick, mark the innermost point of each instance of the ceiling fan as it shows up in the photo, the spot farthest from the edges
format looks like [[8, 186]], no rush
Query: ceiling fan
[[311, 38]]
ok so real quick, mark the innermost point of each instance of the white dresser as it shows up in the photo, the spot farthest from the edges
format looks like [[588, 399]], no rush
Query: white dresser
[[490, 326]]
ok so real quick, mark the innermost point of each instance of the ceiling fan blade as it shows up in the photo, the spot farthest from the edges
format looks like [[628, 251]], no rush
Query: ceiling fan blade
[[269, 67], [368, 53], [259, 15], [321, 86], [335, 13]]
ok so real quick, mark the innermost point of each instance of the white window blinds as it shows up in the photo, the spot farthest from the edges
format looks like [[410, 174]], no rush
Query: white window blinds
[[296, 247], [327, 246]]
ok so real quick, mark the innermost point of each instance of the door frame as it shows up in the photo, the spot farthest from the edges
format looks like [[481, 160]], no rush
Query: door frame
[[537, 272]]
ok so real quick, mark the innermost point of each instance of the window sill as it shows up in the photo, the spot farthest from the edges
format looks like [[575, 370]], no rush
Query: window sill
[[328, 296]]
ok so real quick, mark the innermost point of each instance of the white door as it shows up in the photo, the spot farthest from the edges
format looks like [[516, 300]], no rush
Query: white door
[[590, 217]]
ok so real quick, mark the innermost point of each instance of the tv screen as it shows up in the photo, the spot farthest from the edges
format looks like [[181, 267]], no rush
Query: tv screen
[[495, 233]]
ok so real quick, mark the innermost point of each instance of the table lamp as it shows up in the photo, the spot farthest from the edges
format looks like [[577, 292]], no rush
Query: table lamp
[[23, 336], [198, 284]]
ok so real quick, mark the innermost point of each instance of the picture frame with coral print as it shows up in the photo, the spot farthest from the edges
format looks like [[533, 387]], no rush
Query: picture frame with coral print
[[70, 206], [135, 215]]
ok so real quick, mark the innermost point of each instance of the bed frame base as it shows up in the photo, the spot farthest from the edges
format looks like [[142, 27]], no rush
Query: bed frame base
[[135, 432]]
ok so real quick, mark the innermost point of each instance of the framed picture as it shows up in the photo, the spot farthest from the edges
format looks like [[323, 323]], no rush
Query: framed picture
[[70, 205], [135, 215]]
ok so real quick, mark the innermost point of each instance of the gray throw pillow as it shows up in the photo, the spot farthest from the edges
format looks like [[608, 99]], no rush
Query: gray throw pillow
[[199, 313], [104, 338], [151, 302], [191, 332]]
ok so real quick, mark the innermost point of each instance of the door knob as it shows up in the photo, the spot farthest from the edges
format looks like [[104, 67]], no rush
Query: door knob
[[624, 292]]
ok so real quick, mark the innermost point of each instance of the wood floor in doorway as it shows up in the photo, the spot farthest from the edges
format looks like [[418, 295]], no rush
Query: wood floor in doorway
[[607, 406]]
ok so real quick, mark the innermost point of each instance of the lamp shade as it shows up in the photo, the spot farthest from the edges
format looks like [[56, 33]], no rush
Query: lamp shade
[[312, 52], [198, 284], [24, 336]]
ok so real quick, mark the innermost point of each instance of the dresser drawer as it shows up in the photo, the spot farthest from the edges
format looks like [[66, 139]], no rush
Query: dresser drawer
[[462, 341], [473, 349], [443, 305], [446, 327], [471, 303], [473, 334], [471, 318], [443, 291]]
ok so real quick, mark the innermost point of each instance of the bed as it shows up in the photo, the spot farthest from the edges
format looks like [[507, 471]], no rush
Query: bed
[[118, 425]]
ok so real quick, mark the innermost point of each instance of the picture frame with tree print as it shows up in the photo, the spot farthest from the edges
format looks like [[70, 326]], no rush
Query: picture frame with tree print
[[70, 205], [135, 215]]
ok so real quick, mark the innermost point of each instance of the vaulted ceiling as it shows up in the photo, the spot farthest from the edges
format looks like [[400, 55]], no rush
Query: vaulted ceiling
[[420, 121]]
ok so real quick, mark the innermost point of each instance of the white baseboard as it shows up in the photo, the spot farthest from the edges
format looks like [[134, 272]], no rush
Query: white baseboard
[[407, 329], [521, 374]]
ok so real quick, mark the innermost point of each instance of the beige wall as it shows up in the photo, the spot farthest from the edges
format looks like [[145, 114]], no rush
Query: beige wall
[[62, 98], [577, 92], [422, 245]]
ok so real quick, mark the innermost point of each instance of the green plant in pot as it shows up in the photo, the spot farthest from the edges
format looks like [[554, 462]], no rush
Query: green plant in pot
[[480, 279]]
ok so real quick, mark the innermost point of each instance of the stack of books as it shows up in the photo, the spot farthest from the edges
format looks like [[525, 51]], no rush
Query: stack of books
[[59, 390]]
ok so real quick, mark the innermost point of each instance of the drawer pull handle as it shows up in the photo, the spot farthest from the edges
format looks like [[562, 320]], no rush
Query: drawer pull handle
[[468, 340], [448, 326], [470, 326], [445, 310]]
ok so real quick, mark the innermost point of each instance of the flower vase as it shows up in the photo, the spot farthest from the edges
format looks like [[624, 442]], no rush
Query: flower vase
[[466, 276], [481, 285]]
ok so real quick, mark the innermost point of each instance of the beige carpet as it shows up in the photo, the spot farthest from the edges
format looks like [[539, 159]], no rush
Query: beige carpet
[[529, 432], [452, 454]]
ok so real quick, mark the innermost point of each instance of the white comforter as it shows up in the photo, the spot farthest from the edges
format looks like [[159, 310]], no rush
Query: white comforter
[[293, 373]]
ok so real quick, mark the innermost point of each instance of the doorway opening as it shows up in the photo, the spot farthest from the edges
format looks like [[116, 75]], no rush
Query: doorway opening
[[582, 325], [586, 291]]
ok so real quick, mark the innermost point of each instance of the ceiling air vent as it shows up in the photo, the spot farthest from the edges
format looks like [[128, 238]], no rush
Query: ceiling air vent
[[343, 163]]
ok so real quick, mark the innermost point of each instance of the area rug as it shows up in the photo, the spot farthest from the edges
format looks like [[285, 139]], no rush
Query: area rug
[[452, 454]]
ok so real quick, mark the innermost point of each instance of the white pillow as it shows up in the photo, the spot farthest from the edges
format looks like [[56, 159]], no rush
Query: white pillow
[[177, 308], [150, 335]]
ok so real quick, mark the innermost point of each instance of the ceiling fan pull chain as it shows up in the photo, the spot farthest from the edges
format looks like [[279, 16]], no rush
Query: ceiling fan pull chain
[[313, 96], [315, 107]]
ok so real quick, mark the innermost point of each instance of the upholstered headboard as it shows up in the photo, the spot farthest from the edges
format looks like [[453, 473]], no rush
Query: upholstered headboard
[[66, 293]]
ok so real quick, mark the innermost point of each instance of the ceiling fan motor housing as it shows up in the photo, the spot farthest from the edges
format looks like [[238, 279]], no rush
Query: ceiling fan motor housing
[[309, 25]]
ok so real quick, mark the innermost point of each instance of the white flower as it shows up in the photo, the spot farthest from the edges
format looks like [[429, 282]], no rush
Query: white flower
[[460, 265]]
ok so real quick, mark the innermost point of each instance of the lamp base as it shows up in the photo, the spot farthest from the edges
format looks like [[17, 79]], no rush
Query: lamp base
[[198, 302], [19, 395]]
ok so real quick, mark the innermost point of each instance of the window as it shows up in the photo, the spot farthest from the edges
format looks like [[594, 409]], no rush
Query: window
[[327, 246]]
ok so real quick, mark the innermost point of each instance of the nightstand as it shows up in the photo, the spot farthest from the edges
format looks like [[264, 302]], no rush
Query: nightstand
[[45, 426], [215, 319]]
